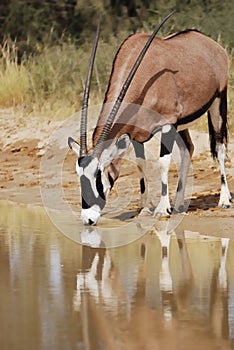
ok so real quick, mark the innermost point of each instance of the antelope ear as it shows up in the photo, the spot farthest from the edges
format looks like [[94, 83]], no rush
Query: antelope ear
[[115, 151], [74, 146]]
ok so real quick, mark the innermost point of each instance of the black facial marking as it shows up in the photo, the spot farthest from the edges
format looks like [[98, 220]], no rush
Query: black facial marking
[[164, 189], [142, 185], [88, 197]]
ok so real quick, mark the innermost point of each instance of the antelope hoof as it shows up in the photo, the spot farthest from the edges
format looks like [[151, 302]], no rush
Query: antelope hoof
[[145, 211], [162, 213], [224, 206], [178, 210], [224, 203]]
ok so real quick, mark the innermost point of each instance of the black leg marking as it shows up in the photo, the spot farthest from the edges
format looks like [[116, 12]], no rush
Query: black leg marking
[[218, 135], [223, 181], [164, 189], [139, 149], [140, 157], [186, 148], [167, 140], [142, 185], [179, 187]]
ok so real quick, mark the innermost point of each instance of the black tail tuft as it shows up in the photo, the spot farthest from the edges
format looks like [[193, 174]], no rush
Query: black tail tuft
[[212, 137], [223, 113]]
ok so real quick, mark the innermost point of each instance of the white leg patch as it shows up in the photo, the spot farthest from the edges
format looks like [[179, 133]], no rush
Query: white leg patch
[[178, 203], [225, 196], [164, 207]]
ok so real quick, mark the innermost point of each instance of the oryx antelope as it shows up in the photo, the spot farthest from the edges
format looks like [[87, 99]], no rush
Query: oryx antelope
[[155, 84]]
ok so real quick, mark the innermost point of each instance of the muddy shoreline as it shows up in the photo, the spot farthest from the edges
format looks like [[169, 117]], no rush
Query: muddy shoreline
[[24, 144]]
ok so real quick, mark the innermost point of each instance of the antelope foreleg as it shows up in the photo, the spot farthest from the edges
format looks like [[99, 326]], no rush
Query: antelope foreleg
[[186, 149], [167, 141], [141, 164]]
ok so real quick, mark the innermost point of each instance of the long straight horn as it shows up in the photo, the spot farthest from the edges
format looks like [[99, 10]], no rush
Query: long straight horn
[[106, 129], [85, 102]]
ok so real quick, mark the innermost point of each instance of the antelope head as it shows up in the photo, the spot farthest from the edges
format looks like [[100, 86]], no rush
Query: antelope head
[[94, 168], [96, 177]]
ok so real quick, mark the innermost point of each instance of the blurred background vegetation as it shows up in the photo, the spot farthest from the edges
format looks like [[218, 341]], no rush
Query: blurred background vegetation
[[45, 45]]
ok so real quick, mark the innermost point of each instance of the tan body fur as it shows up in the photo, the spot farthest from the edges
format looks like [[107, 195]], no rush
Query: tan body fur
[[178, 76]]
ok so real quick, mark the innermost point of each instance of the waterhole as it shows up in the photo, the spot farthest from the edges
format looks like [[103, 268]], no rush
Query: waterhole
[[163, 290]]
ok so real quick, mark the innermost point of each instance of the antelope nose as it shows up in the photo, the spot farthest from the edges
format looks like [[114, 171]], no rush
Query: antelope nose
[[91, 222]]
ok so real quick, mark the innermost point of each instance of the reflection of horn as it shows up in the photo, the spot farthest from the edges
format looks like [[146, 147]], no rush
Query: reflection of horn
[[83, 120], [105, 131]]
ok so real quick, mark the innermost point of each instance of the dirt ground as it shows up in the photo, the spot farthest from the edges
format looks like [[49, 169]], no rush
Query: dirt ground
[[24, 143]]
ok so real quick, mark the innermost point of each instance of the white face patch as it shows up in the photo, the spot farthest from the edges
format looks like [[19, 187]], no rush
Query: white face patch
[[91, 215]]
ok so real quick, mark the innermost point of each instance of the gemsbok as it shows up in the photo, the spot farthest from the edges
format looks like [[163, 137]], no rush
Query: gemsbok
[[155, 85]]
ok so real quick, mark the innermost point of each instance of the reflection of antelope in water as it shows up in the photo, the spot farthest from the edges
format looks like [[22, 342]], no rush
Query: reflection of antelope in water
[[165, 289]]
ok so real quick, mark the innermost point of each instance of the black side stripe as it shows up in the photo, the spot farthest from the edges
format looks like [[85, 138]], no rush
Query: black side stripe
[[190, 118]]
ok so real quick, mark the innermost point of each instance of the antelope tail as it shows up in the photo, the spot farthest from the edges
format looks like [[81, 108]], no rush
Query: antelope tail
[[222, 135]]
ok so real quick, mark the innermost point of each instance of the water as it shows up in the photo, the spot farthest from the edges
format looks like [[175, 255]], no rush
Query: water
[[159, 292]]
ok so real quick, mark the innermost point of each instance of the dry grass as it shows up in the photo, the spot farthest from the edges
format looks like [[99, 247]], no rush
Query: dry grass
[[14, 86], [50, 83]]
